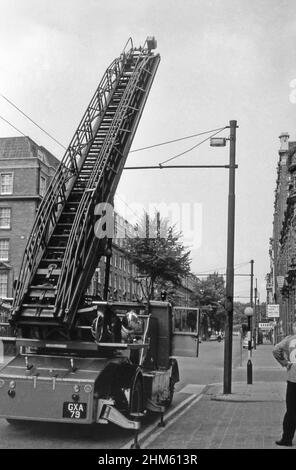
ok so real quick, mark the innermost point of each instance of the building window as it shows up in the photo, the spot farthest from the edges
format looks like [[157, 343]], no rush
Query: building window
[[3, 284], [5, 216], [115, 260], [120, 262], [6, 183], [4, 250], [42, 189]]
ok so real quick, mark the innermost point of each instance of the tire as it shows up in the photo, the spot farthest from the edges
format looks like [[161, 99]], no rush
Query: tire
[[167, 403], [136, 401]]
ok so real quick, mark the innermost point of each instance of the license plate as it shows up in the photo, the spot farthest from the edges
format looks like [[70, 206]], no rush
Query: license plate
[[74, 410]]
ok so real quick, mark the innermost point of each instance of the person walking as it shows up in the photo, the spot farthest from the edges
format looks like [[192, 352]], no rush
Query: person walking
[[285, 353]]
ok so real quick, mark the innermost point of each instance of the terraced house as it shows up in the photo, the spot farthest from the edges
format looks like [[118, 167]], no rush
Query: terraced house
[[281, 280]]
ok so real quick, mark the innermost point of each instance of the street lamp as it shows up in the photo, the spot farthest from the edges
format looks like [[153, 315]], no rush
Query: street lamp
[[221, 142], [249, 313]]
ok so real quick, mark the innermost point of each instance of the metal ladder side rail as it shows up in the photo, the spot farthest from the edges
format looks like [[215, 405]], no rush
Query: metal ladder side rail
[[82, 206], [82, 210], [128, 93], [115, 89], [111, 135], [32, 250], [101, 98], [88, 111], [91, 135], [82, 228], [44, 208]]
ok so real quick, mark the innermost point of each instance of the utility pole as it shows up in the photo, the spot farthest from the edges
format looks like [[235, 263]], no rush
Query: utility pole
[[251, 288], [250, 335], [255, 314], [251, 300], [230, 262]]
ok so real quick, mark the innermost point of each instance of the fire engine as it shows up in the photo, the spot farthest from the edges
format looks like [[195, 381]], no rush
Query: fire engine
[[79, 359]]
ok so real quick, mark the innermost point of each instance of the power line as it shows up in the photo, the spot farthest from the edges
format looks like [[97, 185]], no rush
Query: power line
[[124, 202], [223, 267], [175, 140], [5, 120], [28, 117], [192, 148]]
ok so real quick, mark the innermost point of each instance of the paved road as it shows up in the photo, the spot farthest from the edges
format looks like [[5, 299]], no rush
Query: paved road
[[208, 367], [198, 372]]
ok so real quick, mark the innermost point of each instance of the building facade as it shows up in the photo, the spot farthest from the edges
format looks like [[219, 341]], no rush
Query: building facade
[[25, 172], [281, 280], [124, 282]]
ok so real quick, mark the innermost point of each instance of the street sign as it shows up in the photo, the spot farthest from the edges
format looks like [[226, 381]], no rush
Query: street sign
[[273, 311], [266, 326]]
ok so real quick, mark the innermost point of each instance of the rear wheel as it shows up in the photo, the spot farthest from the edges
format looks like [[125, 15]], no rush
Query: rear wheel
[[136, 408], [168, 401], [136, 402]]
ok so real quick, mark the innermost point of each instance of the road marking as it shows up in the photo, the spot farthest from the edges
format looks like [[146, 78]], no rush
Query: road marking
[[168, 415], [192, 388], [152, 438]]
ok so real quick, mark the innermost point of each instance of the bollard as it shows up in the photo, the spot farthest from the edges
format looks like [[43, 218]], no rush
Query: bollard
[[249, 372]]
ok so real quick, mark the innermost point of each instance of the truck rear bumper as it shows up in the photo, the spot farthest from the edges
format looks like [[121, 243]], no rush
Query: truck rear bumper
[[48, 390]]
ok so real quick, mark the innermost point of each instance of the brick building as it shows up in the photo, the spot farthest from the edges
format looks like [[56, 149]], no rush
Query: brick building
[[25, 171], [281, 280], [122, 283]]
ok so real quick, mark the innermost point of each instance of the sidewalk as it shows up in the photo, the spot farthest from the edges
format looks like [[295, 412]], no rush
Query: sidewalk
[[248, 418]]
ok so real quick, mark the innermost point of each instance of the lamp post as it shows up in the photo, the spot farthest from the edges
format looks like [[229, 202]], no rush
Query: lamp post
[[219, 142], [249, 313]]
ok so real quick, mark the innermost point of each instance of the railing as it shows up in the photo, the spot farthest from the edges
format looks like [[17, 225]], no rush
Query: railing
[[83, 223], [52, 204]]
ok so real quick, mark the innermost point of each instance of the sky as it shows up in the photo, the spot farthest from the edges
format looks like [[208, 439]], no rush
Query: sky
[[221, 60]]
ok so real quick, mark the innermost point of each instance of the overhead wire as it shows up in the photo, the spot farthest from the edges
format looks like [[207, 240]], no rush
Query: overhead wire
[[223, 267], [175, 140], [124, 202], [216, 131], [10, 124], [192, 148], [30, 119]]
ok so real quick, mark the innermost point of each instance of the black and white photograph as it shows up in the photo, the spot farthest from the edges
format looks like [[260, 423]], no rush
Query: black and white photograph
[[147, 229]]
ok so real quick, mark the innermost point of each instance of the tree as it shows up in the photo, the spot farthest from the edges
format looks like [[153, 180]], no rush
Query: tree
[[158, 254], [210, 295]]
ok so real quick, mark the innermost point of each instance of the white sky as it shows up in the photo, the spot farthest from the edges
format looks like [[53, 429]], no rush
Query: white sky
[[220, 60]]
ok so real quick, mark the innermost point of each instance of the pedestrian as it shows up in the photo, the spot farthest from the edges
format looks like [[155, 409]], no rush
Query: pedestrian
[[285, 353]]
